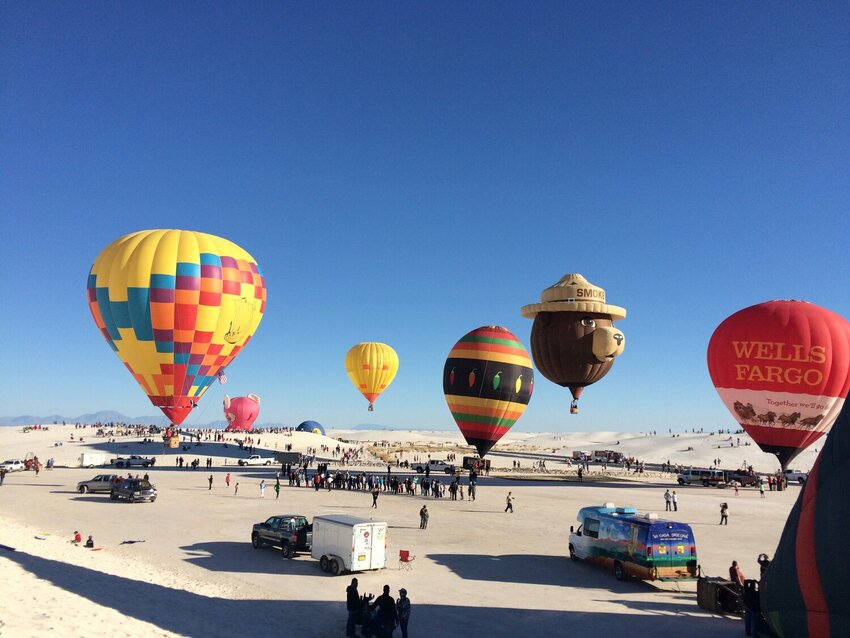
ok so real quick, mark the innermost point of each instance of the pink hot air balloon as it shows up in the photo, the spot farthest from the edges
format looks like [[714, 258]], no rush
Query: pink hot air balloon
[[241, 412]]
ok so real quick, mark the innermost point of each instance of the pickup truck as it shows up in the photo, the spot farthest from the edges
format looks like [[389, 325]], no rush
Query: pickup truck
[[795, 476], [13, 465], [256, 459], [436, 466], [133, 461], [290, 532]]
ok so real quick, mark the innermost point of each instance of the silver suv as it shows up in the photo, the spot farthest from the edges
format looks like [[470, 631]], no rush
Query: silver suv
[[100, 483], [435, 466]]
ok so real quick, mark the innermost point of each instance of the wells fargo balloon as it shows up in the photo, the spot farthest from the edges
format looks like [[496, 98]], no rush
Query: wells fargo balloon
[[241, 412], [176, 306], [487, 380], [573, 339], [782, 368], [804, 590], [371, 366]]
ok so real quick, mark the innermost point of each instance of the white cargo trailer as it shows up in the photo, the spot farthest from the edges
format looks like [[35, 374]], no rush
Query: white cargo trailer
[[92, 459], [349, 543]]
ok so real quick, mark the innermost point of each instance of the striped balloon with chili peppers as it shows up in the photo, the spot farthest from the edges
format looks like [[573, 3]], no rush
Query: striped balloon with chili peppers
[[487, 381]]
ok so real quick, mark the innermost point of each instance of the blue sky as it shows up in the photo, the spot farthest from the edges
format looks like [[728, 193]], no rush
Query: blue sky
[[406, 172]]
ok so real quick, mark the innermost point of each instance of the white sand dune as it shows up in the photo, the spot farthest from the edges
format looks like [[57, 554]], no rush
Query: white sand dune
[[478, 570]]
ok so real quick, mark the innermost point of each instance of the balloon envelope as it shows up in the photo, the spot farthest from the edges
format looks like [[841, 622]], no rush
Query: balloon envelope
[[241, 412], [488, 381], [782, 368], [804, 590], [311, 426], [371, 366], [176, 306]]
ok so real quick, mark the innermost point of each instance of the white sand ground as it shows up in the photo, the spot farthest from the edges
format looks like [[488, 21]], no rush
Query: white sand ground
[[477, 569]]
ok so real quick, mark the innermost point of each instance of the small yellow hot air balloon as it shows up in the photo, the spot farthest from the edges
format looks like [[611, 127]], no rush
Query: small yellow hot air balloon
[[371, 366]]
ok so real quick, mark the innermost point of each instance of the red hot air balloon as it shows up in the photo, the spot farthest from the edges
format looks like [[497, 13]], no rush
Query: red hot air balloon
[[783, 370], [487, 381], [241, 412]]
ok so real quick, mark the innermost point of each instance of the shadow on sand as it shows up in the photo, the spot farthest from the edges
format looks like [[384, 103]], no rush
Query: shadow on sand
[[191, 614]]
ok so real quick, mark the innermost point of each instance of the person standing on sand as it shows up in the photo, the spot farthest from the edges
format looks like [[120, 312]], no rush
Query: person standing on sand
[[761, 489], [509, 503], [236, 490], [352, 604], [423, 517], [402, 605], [580, 473], [227, 480], [375, 493], [667, 499], [724, 514], [277, 490], [210, 479], [263, 488], [675, 500]]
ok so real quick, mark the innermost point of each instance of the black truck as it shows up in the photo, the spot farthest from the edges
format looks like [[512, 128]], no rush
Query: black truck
[[291, 532]]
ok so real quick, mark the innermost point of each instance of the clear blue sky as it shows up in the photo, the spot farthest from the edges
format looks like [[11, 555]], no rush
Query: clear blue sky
[[406, 172]]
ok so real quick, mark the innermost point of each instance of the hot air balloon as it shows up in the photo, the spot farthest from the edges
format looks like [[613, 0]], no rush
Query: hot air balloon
[[487, 380], [782, 368], [371, 366], [573, 339], [241, 412], [311, 426], [804, 590], [176, 306]]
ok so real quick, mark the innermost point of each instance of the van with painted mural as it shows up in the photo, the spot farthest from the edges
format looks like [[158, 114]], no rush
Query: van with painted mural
[[634, 545]]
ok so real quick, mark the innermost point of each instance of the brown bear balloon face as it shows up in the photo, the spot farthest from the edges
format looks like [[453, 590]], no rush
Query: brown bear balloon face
[[575, 349], [574, 341]]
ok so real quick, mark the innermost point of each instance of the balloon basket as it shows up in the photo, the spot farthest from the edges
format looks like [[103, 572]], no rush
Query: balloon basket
[[573, 408], [371, 408]]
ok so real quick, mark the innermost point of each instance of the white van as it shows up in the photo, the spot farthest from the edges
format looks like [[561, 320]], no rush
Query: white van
[[703, 477], [349, 543]]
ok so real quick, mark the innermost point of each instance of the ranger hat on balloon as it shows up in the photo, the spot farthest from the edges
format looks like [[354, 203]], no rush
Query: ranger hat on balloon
[[573, 293]]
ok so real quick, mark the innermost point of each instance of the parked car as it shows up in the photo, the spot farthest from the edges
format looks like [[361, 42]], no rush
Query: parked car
[[436, 466], [13, 465], [795, 476], [290, 532], [133, 461], [133, 490], [713, 478], [100, 483]]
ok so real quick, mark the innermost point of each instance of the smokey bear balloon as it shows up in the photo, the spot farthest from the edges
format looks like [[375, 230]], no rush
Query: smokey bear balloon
[[573, 339]]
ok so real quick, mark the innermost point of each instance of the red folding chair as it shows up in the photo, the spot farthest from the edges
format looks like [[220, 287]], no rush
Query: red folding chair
[[405, 559]]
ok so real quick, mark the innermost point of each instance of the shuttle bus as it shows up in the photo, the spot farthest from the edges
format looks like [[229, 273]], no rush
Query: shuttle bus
[[635, 545]]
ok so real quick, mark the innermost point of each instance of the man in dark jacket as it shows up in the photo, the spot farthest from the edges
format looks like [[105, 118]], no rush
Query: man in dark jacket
[[386, 612], [352, 604]]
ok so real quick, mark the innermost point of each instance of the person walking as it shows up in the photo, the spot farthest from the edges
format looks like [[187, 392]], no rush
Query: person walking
[[423, 517], [375, 493], [402, 606], [277, 490], [675, 501], [227, 480], [761, 489], [724, 514], [236, 490], [210, 479], [263, 489], [352, 604], [667, 499], [509, 503]]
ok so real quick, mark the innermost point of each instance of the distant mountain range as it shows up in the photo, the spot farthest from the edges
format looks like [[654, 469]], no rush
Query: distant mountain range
[[111, 416]]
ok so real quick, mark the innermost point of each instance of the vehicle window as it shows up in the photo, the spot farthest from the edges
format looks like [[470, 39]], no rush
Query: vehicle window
[[144, 485], [591, 527]]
